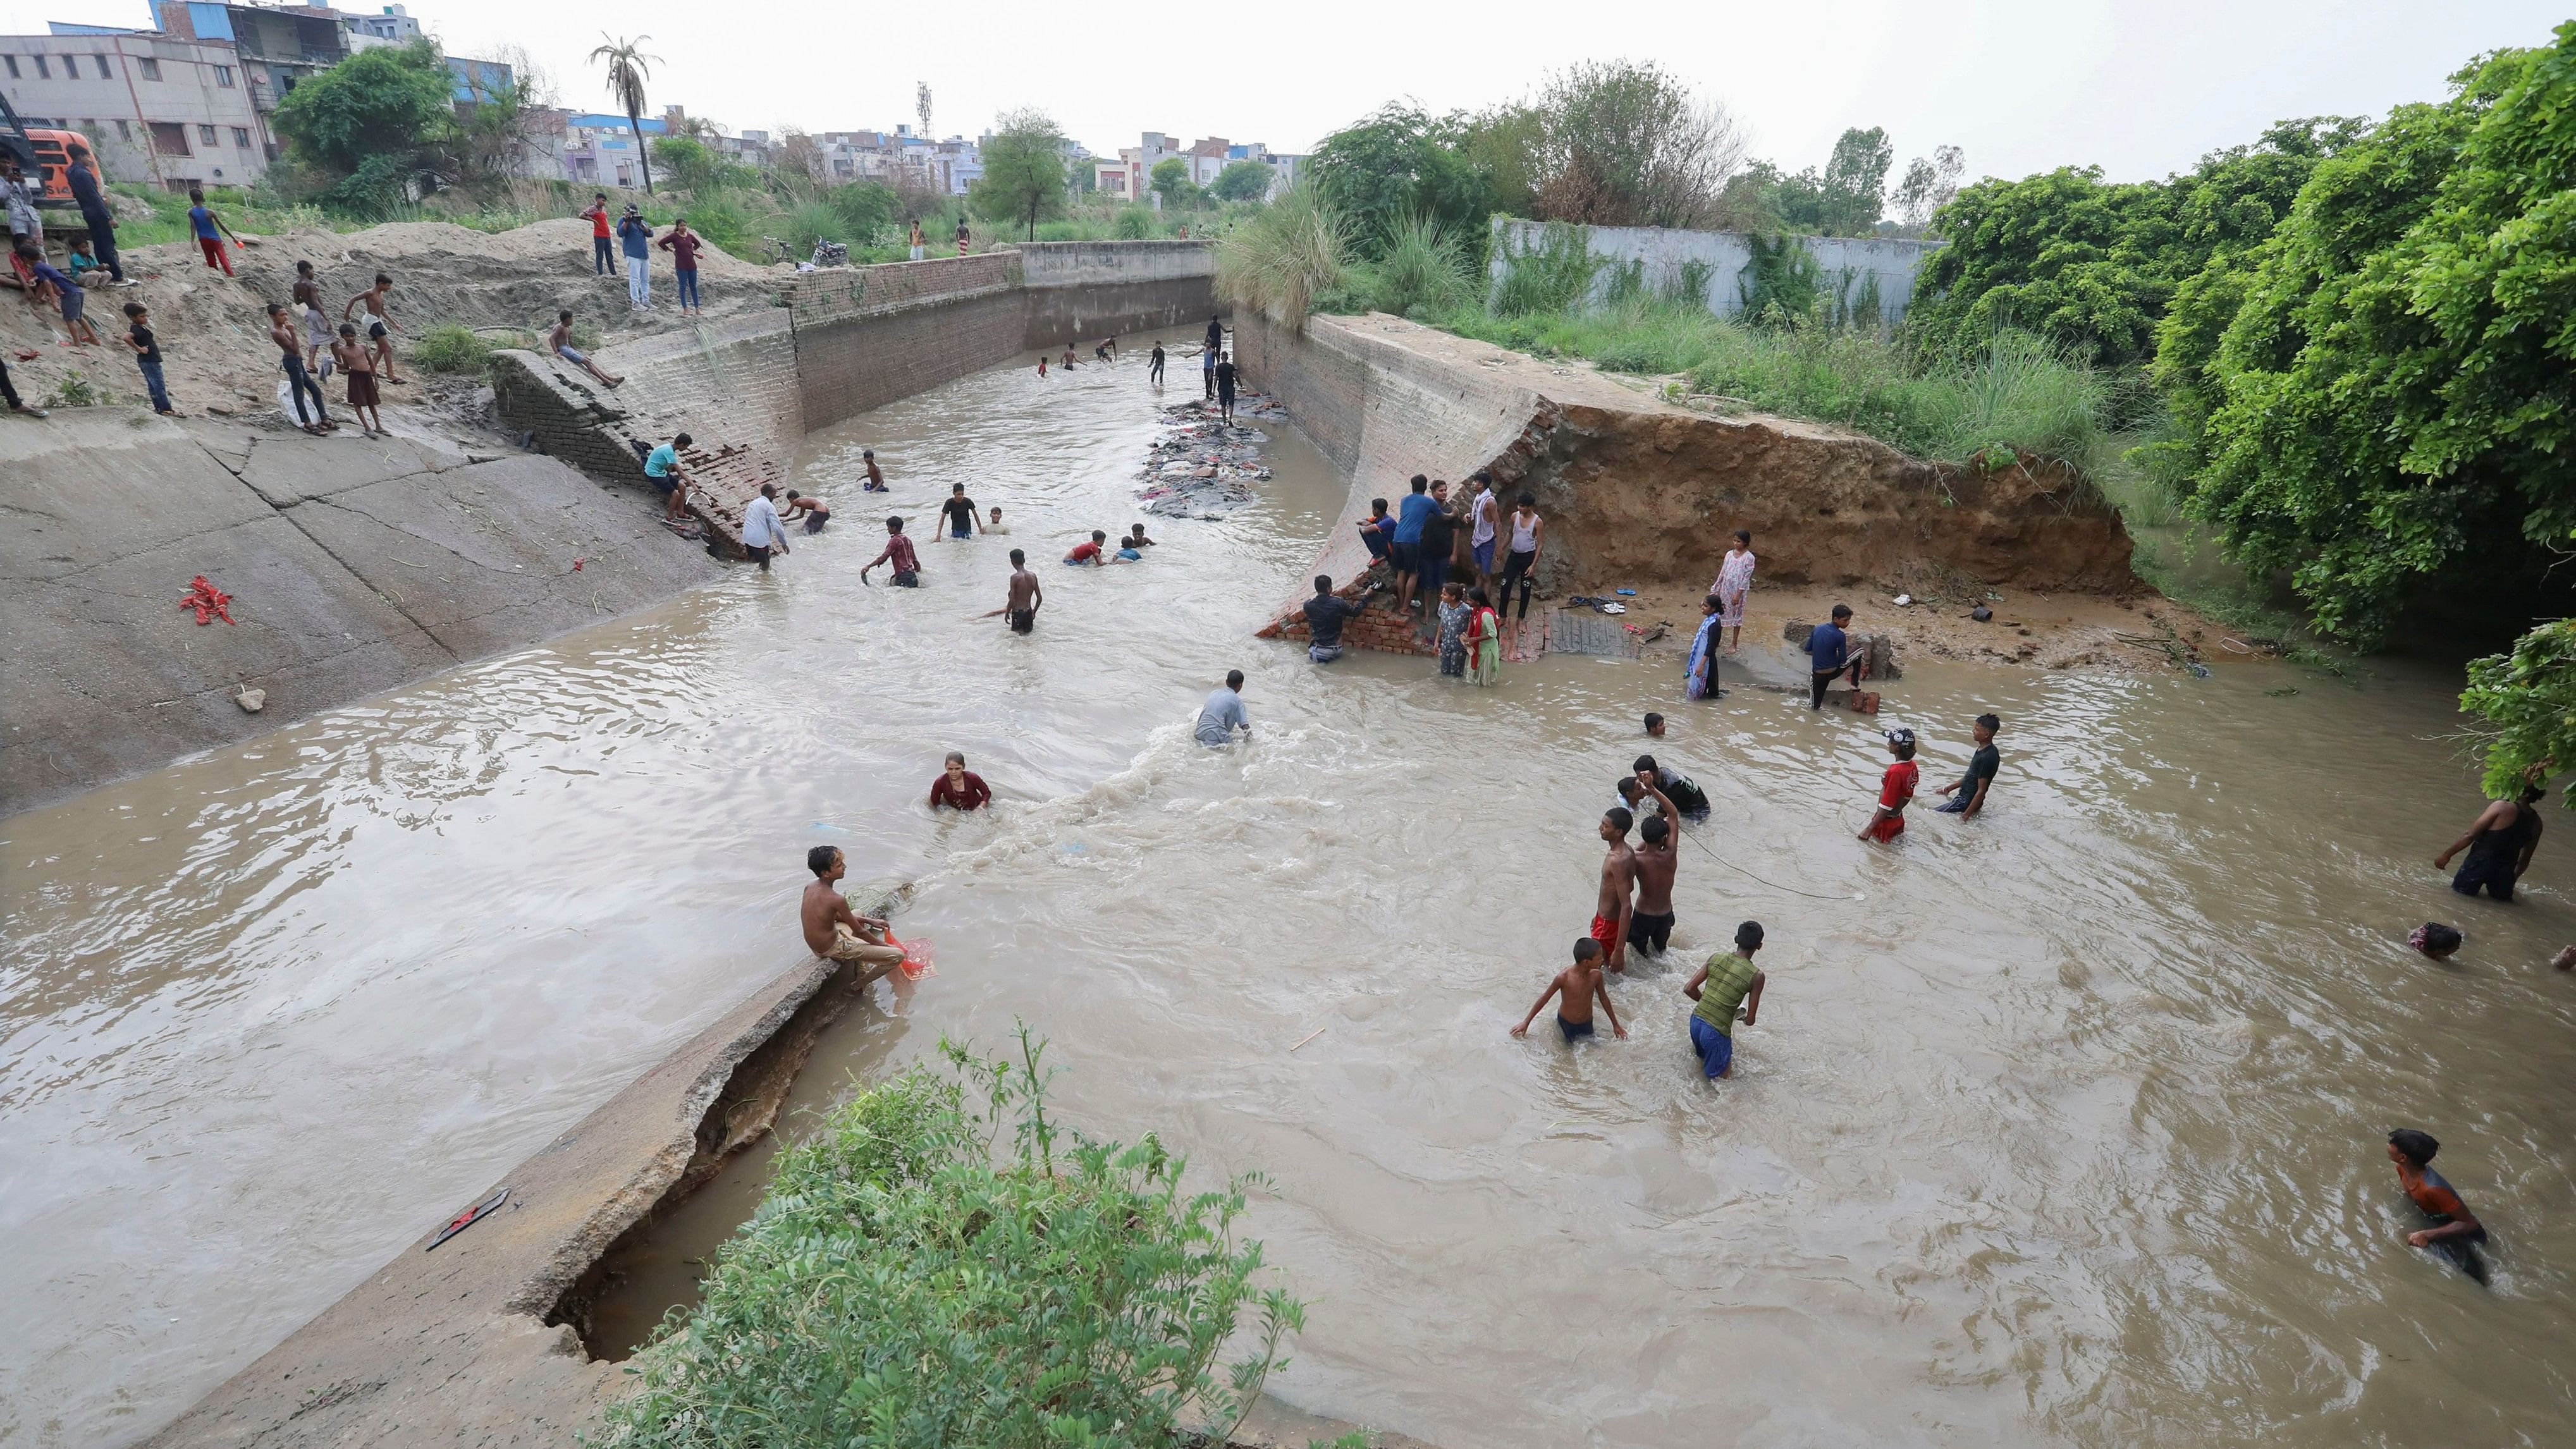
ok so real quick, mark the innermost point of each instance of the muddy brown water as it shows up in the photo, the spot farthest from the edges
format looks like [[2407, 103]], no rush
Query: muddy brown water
[[2068, 1132]]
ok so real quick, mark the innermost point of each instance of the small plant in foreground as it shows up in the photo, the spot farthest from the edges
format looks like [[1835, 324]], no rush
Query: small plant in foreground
[[905, 1283], [76, 391], [450, 347]]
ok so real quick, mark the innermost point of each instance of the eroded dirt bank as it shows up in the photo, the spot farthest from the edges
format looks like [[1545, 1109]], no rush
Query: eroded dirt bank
[[1639, 493]]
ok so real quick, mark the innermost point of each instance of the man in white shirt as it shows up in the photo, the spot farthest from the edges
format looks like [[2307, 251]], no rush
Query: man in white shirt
[[1223, 713], [761, 530]]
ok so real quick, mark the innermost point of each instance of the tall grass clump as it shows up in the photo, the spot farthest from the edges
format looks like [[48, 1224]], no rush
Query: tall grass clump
[[450, 347], [1554, 274], [1424, 270], [905, 1283], [1282, 257], [810, 222]]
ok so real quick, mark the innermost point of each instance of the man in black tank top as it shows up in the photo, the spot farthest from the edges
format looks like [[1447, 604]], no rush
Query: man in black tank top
[[2499, 846]]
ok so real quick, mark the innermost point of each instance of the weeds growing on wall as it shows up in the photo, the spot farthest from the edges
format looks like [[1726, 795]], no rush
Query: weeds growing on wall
[[911, 1278], [1552, 274]]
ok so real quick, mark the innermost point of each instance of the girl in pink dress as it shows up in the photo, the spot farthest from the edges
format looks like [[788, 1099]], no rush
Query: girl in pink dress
[[1734, 581]]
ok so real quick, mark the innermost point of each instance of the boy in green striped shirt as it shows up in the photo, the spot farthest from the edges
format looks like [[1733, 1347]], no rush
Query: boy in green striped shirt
[[1724, 983]]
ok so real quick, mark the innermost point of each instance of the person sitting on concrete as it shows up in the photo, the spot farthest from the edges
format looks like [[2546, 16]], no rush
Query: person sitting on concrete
[[898, 550], [662, 469], [959, 788], [559, 342], [815, 511], [832, 930], [1326, 612]]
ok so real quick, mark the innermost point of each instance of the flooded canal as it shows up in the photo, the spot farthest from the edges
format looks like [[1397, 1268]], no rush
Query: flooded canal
[[2066, 1131]]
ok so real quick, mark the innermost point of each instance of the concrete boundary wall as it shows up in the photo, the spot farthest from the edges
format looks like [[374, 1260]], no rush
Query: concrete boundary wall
[[1664, 262]]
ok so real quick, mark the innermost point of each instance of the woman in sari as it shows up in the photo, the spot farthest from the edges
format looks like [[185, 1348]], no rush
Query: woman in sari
[[1734, 581], [1484, 641], [1703, 651]]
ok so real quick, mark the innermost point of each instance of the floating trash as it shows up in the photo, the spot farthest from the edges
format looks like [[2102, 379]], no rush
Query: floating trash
[[1205, 465]]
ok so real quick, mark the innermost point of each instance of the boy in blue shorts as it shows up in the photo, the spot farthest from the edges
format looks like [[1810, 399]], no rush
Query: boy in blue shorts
[[1579, 985], [1721, 985]]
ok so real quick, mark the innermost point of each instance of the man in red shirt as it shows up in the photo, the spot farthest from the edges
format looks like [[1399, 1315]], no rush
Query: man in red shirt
[[960, 788], [1895, 788], [907, 564], [601, 253]]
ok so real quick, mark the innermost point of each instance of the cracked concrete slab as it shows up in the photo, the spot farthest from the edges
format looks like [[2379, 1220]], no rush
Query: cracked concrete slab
[[355, 566]]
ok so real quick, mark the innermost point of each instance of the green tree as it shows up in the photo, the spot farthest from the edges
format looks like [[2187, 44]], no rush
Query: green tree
[[1170, 179], [1400, 163], [686, 158], [1625, 143], [387, 102], [2095, 264], [2529, 697], [1023, 178], [628, 68], [1242, 181], [2395, 387]]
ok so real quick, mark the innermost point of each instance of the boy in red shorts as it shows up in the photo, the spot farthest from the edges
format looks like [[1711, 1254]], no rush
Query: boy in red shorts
[[1895, 788], [1618, 885]]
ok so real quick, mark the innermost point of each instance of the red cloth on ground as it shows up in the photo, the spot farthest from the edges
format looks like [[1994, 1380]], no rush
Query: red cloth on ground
[[209, 602]]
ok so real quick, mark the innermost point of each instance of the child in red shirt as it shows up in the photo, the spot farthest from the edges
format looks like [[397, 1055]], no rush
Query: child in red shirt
[[959, 786], [1895, 788]]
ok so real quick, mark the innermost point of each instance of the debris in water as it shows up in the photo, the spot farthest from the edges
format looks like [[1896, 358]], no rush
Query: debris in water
[[1205, 464], [1310, 1036]]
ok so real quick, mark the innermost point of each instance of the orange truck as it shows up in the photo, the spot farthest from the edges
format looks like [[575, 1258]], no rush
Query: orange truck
[[45, 158]]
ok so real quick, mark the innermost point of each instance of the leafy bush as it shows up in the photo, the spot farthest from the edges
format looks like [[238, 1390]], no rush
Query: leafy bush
[[1134, 223], [2529, 696], [811, 222], [76, 391], [1281, 260], [450, 347], [898, 1286], [866, 208], [1424, 270]]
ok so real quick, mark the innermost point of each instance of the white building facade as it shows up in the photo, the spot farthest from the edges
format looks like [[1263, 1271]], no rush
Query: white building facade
[[158, 110]]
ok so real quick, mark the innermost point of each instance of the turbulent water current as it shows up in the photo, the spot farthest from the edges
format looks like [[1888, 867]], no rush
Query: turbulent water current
[[2068, 1130]]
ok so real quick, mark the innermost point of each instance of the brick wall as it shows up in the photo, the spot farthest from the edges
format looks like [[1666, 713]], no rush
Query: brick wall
[[835, 293], [849, 365], [1381, 628]]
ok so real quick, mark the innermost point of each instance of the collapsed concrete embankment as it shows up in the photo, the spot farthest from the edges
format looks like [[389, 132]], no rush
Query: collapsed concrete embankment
[[846, 340], [1640, 492], [354, 565]]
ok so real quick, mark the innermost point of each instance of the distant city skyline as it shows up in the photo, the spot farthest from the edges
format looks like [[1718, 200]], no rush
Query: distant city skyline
[[2022, 86]]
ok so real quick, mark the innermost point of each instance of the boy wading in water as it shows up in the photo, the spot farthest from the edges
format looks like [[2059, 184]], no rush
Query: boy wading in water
[[1895, 789], [2456, 1231], [1025, 596], [1580, 985], [1611, 912], [836, 933], [1969, 795], [898, 550], [1726, 982], [2499, 844], [1650, 928]]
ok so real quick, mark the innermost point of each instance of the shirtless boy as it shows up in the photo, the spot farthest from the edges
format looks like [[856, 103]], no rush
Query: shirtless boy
[[559, 342], [2456, 1231], [832, 930], [1025, 596], [358, 367], [1610, 914], [876, 481], [1650, 929], [1580, 985], [378, 300], [815, 511]]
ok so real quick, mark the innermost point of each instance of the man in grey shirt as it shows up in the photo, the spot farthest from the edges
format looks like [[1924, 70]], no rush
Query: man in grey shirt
[[1223, 712], [761, 530]]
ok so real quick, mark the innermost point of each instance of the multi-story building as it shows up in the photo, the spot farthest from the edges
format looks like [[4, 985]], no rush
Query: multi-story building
[[160, 110], [1131, 176], [601, 149], [282, 44]]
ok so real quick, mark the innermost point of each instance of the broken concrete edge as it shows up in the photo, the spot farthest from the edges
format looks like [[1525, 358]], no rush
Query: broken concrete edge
[[473, 1339], [486, 1338]]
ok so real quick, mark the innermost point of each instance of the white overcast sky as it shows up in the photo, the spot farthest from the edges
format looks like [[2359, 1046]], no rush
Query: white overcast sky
[[2023, 85]]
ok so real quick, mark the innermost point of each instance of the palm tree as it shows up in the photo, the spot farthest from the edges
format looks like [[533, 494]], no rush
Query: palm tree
[[627, 68]]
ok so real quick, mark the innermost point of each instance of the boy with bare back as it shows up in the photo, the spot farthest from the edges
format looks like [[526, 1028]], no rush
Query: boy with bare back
[[1580, 985], [358, 367], [833, 930], [1611, 913], [559, 342], [1025, 595], [1650, 928], [379, 302]]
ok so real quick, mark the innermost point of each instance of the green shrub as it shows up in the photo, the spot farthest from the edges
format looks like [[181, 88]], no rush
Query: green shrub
[[1281, 260], [1424, 270], [1555, 275], [1134, 223], [726, 224], [811, 222], [450, 347], [900, 1286]]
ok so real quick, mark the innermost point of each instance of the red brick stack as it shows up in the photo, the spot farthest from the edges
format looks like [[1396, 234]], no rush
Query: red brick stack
[[1381, 628]]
